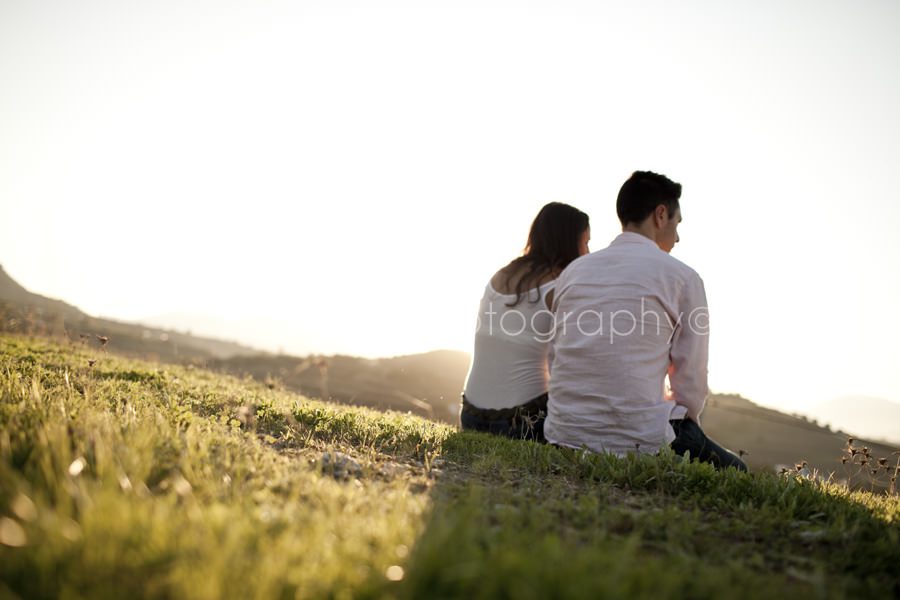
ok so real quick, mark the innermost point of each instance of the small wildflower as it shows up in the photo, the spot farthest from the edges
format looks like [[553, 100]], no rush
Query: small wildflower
[[182, 486], [24, 508], [12, 534], [92, 362], [882, 462], [104, 340], [77, 467]]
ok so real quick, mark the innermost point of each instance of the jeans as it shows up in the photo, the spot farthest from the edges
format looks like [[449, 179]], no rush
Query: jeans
[[524, 422], [690, 438]]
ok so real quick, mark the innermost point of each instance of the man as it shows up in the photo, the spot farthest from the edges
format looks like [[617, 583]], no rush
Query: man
[[626, 317]]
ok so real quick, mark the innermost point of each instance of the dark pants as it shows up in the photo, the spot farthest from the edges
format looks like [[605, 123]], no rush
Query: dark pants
[[525, 422], [690, 438]]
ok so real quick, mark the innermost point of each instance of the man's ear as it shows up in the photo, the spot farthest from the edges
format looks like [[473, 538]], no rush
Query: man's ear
[[660, 215]]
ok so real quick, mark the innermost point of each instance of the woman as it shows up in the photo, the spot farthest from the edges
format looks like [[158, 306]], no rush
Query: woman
[[506, 389]]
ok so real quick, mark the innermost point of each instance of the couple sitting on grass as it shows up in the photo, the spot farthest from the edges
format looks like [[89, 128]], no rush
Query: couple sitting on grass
[[573, 348]]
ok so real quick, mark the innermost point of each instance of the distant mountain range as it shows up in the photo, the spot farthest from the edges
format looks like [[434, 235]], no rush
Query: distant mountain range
[[429, 384]]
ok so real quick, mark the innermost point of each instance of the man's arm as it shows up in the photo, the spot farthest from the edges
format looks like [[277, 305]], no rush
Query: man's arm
[[689, 352]]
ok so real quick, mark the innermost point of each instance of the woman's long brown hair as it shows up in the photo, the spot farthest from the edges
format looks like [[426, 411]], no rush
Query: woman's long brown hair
[[552, 244]]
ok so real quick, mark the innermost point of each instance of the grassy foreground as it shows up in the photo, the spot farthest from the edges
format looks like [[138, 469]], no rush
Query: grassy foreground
[[130, 479]]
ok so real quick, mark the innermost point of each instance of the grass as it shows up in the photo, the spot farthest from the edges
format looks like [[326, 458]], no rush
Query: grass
[[128, 478]]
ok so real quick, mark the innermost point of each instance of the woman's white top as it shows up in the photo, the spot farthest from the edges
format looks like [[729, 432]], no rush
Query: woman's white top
[[509, 361]]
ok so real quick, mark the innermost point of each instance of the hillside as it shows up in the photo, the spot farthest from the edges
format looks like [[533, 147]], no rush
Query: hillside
[[122, 478], [426, 384], [24, 312], [775, 440], [13, 293], [878, 415]]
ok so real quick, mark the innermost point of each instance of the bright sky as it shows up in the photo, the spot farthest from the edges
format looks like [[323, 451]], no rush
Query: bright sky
[[354, 172]]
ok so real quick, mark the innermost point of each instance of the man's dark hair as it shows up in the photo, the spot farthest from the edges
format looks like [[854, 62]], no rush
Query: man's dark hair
[[642, 193]]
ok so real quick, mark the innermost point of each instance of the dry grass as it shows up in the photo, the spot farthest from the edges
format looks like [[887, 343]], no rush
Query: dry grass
[[121, 478]]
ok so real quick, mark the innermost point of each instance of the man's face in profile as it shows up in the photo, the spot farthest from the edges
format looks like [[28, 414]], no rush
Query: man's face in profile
[[668, 236]]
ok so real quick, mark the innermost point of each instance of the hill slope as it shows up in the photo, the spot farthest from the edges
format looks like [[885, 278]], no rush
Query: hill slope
[[22, 311], [425, 384], [121, 478], [11, 291], [858, 413], [429, 384], [775, 439]]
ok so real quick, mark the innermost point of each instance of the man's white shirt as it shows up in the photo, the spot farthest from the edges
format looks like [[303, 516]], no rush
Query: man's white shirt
[[625, 317]]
